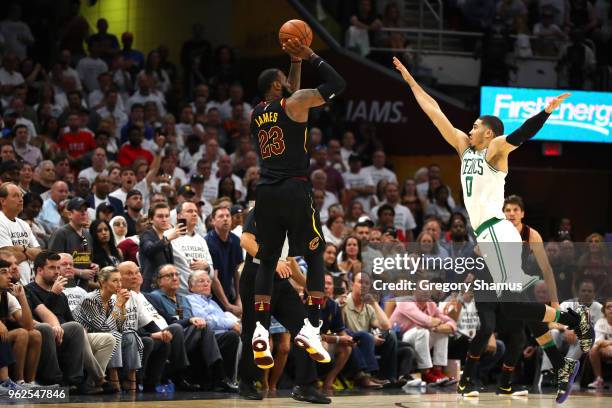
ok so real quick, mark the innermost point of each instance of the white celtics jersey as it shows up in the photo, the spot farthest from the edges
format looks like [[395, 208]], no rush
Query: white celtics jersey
[[483, 187]]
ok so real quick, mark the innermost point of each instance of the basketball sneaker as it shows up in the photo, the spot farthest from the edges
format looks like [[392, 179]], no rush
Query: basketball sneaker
[[467, 388], [565, 378], [310, 340], [514, 391], [261, 347]]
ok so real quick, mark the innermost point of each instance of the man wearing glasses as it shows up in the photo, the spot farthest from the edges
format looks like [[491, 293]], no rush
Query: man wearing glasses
[[200, 341]]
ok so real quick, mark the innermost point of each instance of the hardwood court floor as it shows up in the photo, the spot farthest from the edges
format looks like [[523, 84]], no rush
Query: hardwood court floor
[[370, 400]]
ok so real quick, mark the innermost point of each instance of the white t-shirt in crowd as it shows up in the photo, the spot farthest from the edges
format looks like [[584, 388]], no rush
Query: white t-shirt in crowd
[[144, 304], [380, 174], [136, 316], [359, 180], [90, 174], [403, 220], [89, 69], [185, 249], [211, 188], [468, 321], [13, 304], [18, 233], [14, 32], [603, 330], [120, 195], [75, 296]]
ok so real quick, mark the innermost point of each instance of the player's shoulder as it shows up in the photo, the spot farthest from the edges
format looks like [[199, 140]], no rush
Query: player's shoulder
[[534, 235]]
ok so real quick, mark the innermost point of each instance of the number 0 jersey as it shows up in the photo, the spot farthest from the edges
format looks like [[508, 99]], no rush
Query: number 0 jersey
[[283, 143], [483, 187]]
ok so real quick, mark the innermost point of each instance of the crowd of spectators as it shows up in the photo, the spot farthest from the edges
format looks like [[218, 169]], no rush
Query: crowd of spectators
[[125, 182], [575, 33]]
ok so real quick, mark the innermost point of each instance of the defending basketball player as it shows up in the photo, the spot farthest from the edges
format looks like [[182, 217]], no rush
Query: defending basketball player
[[484, 166], [284, 196]]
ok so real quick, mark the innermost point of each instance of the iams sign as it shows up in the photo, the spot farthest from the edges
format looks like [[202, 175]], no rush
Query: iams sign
[[374, 111]]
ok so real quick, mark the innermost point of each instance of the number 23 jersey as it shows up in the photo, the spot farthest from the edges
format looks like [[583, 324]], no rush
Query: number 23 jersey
[[483, 187], [282, 143]]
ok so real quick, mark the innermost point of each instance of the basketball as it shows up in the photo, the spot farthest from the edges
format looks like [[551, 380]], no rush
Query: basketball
[[297, 29]]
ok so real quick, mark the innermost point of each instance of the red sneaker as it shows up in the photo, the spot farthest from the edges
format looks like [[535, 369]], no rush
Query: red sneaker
[[442, 378], [431, 378]]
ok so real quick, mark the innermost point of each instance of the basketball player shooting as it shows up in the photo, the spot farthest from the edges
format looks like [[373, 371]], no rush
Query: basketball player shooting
[[284, 196], [484, 166]]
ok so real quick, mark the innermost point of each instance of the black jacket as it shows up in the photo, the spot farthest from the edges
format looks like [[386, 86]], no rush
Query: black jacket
[[154, 252]]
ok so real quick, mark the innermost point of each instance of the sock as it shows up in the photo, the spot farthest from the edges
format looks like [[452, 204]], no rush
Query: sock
[[569, 318], [468, 369], [553, 354], [506, 376], [313, 307], [262, 313]]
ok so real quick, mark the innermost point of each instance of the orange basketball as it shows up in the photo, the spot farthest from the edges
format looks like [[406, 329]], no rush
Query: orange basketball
[[295, 29]]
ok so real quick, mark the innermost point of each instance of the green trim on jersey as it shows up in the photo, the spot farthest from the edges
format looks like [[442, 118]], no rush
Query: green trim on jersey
[[465, 151], [488, 223], [530, 283]]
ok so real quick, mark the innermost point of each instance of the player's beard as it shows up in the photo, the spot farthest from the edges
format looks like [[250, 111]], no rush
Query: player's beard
[[286, 92]]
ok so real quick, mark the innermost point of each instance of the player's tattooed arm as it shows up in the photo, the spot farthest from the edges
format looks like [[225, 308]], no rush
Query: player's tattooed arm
[[300, 102], [455, 137]]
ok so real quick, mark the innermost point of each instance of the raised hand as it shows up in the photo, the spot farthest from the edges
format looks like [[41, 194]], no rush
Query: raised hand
[[296, 49], [403, 70], [556, 102]]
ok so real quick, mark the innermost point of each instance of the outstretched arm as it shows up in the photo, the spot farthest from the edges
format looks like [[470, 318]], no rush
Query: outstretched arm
[[298, 104], [453, 136], [529, 128]]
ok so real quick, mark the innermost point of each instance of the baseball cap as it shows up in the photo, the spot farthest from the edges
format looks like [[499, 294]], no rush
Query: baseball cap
[[133, 192], [186, 190], [76, 203], [236, 209], [365, 219], [197, 178]]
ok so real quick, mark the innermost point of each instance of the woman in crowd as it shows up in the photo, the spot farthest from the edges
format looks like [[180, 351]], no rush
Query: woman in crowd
[[26, 175], [351, 262], [104, 250], [334, 233], [227, 188], [101, 312], [153, 69], [119, 228], [355, 210]]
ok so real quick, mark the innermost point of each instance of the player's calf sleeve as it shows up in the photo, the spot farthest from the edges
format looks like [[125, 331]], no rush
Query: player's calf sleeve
[[264, 280], [334, 83], [547, 343], [315, 280]]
